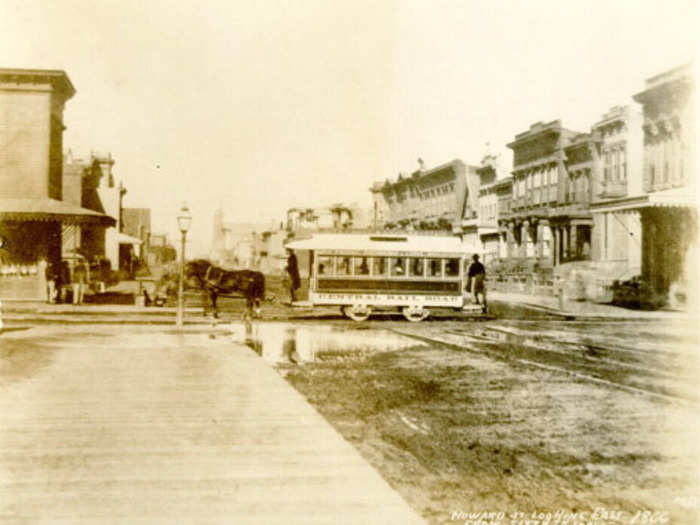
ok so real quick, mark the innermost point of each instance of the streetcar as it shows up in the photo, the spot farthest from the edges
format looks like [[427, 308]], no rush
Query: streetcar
[[363, 273]]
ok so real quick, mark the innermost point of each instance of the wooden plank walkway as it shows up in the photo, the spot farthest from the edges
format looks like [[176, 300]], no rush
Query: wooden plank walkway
[[135, 425]]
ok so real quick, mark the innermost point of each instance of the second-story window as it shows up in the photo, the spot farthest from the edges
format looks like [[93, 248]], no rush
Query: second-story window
[[607, 169], [623, 165]]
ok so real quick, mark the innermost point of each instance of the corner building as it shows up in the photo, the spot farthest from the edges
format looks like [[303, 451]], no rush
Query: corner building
[[33, 212], [668, 209]]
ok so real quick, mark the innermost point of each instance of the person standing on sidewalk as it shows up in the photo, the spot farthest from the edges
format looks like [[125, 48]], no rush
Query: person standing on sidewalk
[[293, 272], [476, 281], [51, 278], [79, 281]]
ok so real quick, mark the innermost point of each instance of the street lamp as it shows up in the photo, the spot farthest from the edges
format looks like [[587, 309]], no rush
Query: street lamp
[[183, 221]]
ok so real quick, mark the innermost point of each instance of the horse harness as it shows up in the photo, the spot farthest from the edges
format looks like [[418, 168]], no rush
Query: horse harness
[[214, 283], [212, 279]]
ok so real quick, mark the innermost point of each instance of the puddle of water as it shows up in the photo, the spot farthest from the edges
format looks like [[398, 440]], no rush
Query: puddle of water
[[284, 343]]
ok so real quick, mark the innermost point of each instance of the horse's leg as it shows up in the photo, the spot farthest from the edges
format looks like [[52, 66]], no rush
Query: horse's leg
[[213, 296], [205, 302], [248, 308], [257, 307]]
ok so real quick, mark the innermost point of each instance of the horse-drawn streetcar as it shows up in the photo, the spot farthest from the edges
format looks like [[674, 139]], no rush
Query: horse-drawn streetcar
[[363, 273]]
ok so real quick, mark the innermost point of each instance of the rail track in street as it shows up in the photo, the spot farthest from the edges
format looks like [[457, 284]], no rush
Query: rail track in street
[[668, 371]]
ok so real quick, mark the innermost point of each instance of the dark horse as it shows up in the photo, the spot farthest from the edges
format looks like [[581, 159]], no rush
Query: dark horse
[[215, 281]]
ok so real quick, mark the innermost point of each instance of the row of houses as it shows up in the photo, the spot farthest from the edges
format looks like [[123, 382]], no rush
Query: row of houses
[[617, 199], [55, 207]]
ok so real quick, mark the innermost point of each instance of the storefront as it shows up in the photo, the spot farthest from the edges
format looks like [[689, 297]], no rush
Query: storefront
[[669, 238], [32, 230]]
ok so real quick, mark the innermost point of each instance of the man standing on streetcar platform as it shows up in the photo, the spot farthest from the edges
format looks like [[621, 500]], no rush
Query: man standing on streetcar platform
[[476, 282], [293, 273]]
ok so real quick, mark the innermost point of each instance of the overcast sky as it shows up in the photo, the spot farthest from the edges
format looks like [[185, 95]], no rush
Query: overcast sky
[[261, 106]]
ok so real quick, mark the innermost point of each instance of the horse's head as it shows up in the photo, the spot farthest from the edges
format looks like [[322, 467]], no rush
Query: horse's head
[[195, 272]]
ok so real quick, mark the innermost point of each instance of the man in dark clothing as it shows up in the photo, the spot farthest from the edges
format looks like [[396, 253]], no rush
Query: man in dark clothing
[[476, 282], [293, 271], [51, 278], [62, 279]]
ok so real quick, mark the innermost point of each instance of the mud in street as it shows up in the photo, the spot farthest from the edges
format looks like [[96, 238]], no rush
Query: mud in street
[[507, 416]]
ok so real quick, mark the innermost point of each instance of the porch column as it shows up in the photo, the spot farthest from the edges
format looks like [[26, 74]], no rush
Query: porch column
[[539, 248], [524, 237], [509, 239], [556, 250], [574, 241], [564, 242]]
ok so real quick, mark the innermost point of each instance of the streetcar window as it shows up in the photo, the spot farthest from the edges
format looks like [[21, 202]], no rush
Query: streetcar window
[[342, 266], [398, 266], [434, 267], [416, 267], [325, 265], [452, 268], [360, 266], [379, 265]]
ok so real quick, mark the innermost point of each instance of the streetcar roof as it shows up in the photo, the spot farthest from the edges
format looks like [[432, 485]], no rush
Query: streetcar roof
[[385, 243]]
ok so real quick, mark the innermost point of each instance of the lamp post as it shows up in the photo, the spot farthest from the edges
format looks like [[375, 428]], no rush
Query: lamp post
[[183, 221]]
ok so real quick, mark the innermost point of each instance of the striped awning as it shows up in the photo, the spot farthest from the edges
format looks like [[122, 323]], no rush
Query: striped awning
[[51, 210]]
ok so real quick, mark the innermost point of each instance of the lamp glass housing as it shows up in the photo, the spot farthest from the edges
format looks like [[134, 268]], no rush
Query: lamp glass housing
[[184, 219]]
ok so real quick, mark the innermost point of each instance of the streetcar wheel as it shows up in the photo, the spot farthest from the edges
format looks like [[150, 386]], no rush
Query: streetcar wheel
[[357, 312], [415, 313]]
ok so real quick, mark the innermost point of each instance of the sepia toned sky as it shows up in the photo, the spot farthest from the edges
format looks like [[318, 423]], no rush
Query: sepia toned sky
[[260, 106]]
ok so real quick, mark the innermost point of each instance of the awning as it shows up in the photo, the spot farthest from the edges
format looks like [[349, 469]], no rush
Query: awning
[[123, 238], [673, 198], [51, 210]]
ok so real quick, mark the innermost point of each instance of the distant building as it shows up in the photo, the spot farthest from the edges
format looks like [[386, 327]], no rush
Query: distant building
[[268, 250], [136, 229], [336, 216], [494, 198], [233, 243], [136, 222], [428, 199], [159, 250]]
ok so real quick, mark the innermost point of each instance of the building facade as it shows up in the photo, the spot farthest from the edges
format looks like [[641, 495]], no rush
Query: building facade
[[668, 209], [32, 210], [549, 222], [337, 216], [494, 200], [441, 198], [93, 182], [617, 234], [136, 222], [233, 243]]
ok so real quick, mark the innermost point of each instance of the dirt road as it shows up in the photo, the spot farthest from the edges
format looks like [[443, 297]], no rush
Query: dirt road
[[517, 416]]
